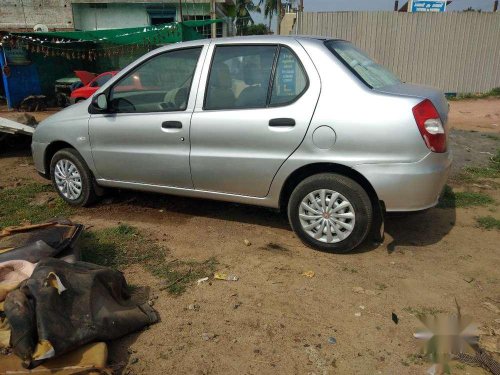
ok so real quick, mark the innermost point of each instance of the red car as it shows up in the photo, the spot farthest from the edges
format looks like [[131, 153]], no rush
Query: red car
[[92, 83]]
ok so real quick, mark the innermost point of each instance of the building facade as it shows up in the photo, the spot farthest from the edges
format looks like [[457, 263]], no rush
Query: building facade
[[25, 15]]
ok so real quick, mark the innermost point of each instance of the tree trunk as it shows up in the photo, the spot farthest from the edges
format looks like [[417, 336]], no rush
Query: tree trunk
[[278, 26]]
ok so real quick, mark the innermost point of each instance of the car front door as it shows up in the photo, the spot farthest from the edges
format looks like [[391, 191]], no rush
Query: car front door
[[254, 112], [145, 136]]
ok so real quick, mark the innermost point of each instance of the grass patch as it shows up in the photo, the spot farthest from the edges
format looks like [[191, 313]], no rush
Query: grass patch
[[452, 199], [178, 275], [351, 270], [488, 222], [472, 174], [492, 137], [118, 247], [494, 93], [414, 359], [420, 312], [15, 205], [122, 246]]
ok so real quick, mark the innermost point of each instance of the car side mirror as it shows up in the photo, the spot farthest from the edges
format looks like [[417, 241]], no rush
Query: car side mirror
[[100, 102]]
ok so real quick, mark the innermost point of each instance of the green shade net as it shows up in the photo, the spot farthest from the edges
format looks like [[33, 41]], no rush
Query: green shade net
[[99, 50], [157, 34]]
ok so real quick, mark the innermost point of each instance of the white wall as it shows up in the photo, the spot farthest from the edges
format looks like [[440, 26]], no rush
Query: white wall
[[123, 15], [456, 51], [17, 14], [114, 16]]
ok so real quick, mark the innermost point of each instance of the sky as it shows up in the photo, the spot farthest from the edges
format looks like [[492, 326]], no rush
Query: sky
[[372, 5], [339, 5]]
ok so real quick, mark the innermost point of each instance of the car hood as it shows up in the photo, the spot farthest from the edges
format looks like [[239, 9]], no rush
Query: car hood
[[85, 76], [436, 96], [68, 114]]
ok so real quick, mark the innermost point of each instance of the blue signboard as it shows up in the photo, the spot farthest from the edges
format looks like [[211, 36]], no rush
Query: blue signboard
[[428, 6]]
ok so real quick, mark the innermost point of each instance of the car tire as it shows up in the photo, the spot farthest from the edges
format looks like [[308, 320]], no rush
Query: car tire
[[72, 178], [338, 225]]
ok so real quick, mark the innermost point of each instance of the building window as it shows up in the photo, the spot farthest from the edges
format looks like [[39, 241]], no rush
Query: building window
[[161, 15]]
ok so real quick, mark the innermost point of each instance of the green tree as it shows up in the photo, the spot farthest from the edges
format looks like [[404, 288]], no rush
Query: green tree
[[243, 18], [256, 29], [272, 8], [471, 9]]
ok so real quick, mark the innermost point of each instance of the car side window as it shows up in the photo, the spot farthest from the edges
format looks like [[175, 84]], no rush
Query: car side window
[[99, 82], [161, 84], [290, 79], [240, 77]]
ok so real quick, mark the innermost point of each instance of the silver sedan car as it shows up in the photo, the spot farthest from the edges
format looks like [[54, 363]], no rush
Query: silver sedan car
[[309, 125]]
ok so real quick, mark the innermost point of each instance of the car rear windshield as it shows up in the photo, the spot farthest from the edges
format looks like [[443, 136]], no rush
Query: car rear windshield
[[371, 73]]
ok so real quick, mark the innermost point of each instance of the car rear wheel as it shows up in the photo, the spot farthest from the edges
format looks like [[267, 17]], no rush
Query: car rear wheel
[[72, 178], [330, 212]]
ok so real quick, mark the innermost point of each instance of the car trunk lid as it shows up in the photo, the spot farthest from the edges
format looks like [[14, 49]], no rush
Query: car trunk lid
[[422, 92]]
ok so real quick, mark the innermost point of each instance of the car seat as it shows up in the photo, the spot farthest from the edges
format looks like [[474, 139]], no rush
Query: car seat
[[220, 92]]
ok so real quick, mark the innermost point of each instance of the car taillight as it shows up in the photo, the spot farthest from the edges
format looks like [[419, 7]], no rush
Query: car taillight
[[430, 126]]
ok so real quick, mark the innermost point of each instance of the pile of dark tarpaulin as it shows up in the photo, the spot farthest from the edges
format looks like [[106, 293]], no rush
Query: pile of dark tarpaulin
[[52, 304]]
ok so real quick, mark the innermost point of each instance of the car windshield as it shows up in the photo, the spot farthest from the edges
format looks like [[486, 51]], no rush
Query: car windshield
[[373, 74]]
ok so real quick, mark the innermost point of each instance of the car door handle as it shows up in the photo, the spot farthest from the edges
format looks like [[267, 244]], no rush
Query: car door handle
[[171, 125], [282, 122]]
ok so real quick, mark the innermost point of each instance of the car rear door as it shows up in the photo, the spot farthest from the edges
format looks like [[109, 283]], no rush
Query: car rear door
[[253, 109]]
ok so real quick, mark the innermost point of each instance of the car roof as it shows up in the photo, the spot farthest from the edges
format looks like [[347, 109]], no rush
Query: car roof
[[268, 38], [250, 39]]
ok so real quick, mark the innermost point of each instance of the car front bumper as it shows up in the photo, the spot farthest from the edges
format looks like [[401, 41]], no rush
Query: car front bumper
[[409, 186], [38, 152]]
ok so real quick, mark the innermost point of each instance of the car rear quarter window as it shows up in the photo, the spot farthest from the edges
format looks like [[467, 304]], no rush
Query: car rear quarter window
[[371, 73], [290, 79]]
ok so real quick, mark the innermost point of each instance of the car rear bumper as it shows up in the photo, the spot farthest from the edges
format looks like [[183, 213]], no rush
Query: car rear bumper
[[409, 186]]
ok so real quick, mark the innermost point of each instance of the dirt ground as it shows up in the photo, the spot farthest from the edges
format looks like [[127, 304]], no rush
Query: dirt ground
[[274, 320], [473, 114]]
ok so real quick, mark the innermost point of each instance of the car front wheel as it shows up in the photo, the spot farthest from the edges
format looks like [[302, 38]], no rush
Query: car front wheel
[[330, 212], [72, 178]]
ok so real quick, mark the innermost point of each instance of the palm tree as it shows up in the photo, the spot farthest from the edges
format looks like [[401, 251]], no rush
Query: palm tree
[[243, 18], [271, 8]]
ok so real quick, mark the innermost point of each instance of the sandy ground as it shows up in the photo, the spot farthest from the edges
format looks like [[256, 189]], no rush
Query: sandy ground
[[476, 114], [274, 320], [12, 114]]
